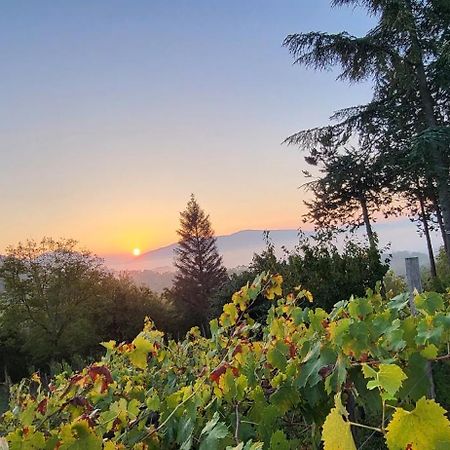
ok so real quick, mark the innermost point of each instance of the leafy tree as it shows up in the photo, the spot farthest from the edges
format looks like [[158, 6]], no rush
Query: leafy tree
[[443, 268], [200, 269], [353, 185], [51, 289], [407, 56], [123, 306], [59, 302]]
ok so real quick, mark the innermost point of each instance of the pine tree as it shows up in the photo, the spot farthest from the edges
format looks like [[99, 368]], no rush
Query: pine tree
[[200, 269]]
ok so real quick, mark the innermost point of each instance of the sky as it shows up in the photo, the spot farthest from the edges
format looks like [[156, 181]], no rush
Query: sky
[[113, 112]]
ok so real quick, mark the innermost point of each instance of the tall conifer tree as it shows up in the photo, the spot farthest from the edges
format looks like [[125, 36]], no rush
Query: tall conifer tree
[[200, 269]]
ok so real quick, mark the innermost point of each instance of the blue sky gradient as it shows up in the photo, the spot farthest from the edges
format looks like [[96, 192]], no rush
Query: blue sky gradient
[[113, 112]]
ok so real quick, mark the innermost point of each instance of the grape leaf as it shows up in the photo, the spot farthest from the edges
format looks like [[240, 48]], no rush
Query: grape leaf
[[336, 433], [359, 308], [142, 348], [388, 379], [430, 302], [417, 384], [213, 436], [80, 437], [424, 428], [278, 441], [277, 355]]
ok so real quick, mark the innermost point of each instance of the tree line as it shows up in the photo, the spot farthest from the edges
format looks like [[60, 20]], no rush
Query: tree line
[[59, 301]]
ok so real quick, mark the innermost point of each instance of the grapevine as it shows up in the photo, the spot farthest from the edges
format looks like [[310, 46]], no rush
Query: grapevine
[[303, 379]]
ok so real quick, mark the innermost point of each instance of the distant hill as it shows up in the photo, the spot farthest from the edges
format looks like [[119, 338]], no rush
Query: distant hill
[[156, 281], [236, 249]]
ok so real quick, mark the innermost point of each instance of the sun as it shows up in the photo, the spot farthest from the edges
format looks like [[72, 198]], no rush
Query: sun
[[136, 251]]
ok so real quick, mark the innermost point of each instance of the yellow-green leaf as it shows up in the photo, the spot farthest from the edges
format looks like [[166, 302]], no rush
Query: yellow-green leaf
[[430, 351], [423, 428], [336, 433], [388, 379], [142, 348]]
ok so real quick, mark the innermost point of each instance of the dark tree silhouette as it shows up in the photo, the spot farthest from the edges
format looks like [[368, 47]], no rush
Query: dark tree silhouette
[[406, 55], [200, 269], [352, 187]]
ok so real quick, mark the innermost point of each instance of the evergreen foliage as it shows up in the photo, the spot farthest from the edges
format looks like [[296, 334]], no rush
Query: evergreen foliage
[[200, 269], [406, 124]]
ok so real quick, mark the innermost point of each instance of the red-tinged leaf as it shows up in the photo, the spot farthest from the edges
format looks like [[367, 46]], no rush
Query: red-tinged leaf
[[77, 379], [25, 431], [216, 373], [89, 419], [81, 401], [364, 357], [292, 350], [42, 406], [237, 350], [116, 424], [74, 379], [219, 371], [125, 347], [326, 370], [96, 371]]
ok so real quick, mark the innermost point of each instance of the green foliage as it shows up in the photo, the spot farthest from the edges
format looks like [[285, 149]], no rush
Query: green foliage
[[403, 133], [200, 269], [59, 302], [394, 284], [320, 267], [251, 385], [423, 428]]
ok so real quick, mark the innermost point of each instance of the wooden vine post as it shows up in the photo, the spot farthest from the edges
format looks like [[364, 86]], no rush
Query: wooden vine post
[[415, 284]]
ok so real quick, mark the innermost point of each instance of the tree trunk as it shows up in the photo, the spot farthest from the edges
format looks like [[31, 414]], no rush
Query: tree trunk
[[440, 167], [444, 204], [426, 231], [440, 221], [366, 218]]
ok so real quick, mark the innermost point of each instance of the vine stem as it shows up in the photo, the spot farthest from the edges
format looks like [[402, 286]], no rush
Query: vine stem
[[366, 426], [163, 424], [374, 362], [236, 432]]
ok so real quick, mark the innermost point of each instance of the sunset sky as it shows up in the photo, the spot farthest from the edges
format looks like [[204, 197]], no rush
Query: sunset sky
[[113, 112]]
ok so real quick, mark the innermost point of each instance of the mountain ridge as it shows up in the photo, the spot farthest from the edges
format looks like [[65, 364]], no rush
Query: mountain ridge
[[238, 248]]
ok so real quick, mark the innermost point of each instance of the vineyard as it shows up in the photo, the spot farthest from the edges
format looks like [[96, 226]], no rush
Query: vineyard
[[357, 377]]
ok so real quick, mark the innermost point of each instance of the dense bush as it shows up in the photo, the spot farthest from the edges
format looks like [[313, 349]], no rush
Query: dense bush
[[329, 273], [356, 374]]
